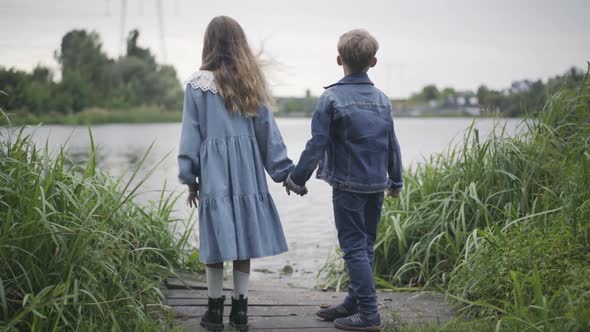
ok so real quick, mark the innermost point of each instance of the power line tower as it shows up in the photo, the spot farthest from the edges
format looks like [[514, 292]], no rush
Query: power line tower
[[123, 36], [123, 41], [161, 28]]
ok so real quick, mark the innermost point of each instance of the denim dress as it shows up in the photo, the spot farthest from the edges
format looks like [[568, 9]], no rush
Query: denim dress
[[227, 154]]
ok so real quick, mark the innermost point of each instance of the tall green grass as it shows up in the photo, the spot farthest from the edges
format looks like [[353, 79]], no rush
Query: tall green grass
[[501, 224], [76, 252]]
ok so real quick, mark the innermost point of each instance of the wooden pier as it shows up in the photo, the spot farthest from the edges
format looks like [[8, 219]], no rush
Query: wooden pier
[[291, 309]]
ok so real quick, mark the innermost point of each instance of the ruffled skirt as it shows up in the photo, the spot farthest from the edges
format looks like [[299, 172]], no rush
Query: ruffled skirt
[[237, 216]]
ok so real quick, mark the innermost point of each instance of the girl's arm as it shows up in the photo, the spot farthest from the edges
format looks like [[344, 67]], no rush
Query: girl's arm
[[190, 141], [272, 148]]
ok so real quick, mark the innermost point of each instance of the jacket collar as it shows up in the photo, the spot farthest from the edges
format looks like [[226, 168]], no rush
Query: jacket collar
[[356, 78]]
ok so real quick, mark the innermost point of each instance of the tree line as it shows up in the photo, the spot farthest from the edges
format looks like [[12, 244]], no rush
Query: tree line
[[89, 78], [522, 96]]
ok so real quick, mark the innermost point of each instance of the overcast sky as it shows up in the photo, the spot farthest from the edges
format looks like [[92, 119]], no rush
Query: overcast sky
[[458, 43]]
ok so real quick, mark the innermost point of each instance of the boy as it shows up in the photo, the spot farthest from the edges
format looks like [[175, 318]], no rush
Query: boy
[[354, 142]]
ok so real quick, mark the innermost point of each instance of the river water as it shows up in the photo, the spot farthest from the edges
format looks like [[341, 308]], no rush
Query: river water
[[308, 221]]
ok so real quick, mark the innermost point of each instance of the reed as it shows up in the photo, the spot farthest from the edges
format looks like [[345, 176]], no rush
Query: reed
[[76, 252]]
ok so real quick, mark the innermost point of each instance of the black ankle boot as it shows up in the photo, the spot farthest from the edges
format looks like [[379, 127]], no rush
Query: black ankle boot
[[213, 317], [238, 317]]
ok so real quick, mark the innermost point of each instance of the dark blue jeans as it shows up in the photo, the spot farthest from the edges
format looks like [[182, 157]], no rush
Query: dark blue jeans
[[357, 217]]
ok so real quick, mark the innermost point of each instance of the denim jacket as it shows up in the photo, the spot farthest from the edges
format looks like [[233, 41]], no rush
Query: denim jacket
[[353, 139]]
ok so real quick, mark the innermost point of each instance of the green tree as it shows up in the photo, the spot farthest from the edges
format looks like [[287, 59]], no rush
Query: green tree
[[77, 93], [81, 52], [39, 90], [430, 92], [12, 82], [134, 50], [448, 92], [171, 94], [141, 81], [90, 79]]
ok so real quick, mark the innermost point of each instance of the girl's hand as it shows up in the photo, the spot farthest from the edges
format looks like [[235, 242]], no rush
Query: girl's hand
[[193, 195]]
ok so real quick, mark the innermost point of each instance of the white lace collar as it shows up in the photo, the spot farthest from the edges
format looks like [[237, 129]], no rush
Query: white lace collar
[[203, 80]]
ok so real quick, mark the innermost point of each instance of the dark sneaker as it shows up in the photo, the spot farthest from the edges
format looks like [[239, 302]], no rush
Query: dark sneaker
[[335, 311], [358, 322]]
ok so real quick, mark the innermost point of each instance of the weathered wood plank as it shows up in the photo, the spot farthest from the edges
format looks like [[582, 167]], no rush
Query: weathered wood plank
[[271, 324], [413, 301], [309, 311], [301, 297], [174, 283], [288, 309], [253, 311], [285, 324]]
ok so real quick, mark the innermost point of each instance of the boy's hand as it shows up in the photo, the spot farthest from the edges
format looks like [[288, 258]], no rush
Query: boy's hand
[[193, 195], [394, 193], [291, 187]]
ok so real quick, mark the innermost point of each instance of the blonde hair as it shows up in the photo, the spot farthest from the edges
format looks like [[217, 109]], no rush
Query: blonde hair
[[238, 75], [357, 48]]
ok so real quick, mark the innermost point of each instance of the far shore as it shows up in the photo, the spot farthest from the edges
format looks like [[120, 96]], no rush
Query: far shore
[[94, 117]]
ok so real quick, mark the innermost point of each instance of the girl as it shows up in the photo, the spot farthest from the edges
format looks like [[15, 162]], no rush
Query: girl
[[229, 137]]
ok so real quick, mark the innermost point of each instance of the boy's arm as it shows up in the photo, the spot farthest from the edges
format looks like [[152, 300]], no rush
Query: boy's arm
[[317, 145], [394, 159], [271, 145]]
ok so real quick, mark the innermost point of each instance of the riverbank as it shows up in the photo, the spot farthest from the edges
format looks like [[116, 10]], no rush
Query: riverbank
[[98, 117], [101, 117], [501, 225]]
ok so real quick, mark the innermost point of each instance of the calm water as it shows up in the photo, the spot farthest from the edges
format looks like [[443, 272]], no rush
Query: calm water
[[308, 221]]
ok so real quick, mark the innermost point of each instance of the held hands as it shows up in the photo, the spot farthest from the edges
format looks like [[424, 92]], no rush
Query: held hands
[[193, 195], [290, 186]]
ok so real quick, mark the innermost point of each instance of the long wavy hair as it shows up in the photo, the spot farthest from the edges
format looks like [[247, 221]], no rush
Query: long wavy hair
[[238, 75]]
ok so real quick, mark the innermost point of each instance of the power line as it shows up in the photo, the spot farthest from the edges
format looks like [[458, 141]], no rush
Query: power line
[[161, 26], [123, 17]]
